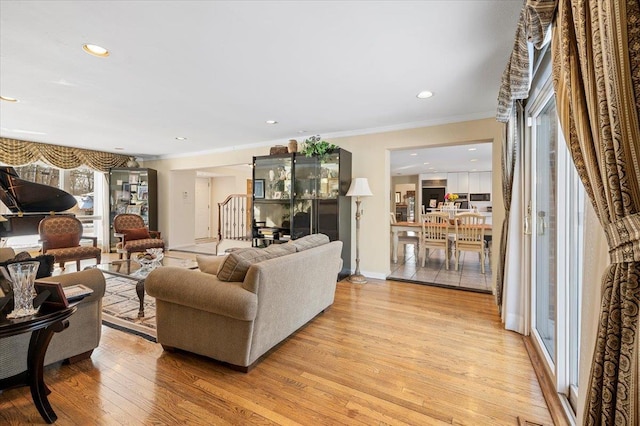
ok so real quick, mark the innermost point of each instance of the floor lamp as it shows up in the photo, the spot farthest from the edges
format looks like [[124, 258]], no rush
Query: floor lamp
[[359, 188]]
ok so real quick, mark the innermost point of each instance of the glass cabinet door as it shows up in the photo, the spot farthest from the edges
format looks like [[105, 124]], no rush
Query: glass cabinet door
[[272, 178]]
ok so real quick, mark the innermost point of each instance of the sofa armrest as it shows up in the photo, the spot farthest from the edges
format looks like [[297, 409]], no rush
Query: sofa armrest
[[92, 278], [202, 291]]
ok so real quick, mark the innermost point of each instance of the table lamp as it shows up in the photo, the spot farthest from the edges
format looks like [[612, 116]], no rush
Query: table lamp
[[359, 188]]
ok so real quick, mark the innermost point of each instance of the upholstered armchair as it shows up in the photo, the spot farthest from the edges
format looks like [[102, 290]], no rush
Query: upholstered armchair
[[134, 236], [61, 236]]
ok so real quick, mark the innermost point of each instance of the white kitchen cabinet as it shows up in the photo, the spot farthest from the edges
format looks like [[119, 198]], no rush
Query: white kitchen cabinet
[[474, 183], [463, 183], [452, 182], [485, 183]]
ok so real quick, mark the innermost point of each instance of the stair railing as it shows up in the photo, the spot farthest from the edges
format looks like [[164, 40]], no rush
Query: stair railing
[[233, 219]]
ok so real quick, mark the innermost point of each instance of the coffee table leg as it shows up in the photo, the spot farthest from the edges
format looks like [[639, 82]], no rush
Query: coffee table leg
[[140, 291]]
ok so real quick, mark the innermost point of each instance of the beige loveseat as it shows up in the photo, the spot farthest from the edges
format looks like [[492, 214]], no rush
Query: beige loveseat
[[238, 322], [76, 342]]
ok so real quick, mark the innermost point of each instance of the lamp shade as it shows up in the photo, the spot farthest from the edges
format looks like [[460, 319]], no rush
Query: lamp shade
[[359, 188]]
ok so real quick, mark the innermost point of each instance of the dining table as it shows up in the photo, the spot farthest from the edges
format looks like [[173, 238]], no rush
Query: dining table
[[398, 227]]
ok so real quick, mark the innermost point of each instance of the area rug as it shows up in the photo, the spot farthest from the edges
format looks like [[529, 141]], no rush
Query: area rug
[[120, 308]]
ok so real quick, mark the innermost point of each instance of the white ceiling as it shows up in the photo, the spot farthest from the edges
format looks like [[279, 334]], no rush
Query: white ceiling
[[460, 158], [215, 71]]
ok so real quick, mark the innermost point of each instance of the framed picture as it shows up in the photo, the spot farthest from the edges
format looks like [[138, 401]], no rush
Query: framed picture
[[457, 205], [143, 192], [433, 203], [56, 297], [134, 209], [398, 197], [258, 188]]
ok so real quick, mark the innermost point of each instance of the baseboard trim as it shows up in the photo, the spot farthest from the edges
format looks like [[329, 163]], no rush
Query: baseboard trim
[[551, 396]]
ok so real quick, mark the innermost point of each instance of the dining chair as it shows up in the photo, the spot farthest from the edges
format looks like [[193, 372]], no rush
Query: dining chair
[[405, 238], [435, 235], [470, 235]]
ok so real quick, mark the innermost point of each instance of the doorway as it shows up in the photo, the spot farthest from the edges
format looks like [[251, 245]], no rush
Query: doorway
[[462, 170], [203, 209]]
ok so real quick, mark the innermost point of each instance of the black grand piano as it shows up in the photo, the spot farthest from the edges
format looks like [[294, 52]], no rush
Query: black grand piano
[[29, 203]]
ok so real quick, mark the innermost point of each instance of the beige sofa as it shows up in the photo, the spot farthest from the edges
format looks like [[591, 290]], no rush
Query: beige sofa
[[238, 322], [76, 342]]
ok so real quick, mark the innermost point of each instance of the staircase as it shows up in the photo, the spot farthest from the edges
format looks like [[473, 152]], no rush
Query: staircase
[[234, 220]]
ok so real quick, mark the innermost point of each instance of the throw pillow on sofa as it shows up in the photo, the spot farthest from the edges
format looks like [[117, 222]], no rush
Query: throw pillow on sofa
[[309, 241], [238, 262], [209, 264]]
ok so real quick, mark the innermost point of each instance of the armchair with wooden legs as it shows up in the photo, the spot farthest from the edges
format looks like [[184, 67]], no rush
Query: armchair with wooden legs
[[134, 235], [61, 236]]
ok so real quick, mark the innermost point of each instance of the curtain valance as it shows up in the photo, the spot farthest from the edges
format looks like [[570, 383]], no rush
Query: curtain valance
[[16, 152], [533, 25]]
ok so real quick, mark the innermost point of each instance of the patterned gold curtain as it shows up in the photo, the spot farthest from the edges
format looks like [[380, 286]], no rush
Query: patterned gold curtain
[[596, 72], [14, 152], [510, 148]]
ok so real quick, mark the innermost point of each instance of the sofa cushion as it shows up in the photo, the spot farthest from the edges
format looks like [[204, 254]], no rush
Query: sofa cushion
[[238, 262], [210, 264], [309, 241], [136, 234]]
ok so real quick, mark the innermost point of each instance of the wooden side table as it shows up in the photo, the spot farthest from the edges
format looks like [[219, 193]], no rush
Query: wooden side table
[[41, 326]]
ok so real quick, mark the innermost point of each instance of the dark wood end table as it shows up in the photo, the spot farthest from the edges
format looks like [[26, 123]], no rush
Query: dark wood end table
[[41, 326]]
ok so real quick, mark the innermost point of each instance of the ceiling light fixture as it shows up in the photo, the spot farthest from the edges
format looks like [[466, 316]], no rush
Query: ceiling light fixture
[[118, 148], [95, 50], [181, 138], [413, 154], [302, 131], [472, 149], [8, 99], [271, 122], [473, 160], [425, 94], [426, 163]]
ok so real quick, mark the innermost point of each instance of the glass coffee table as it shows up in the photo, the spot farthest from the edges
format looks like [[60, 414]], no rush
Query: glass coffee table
[[132, 270]]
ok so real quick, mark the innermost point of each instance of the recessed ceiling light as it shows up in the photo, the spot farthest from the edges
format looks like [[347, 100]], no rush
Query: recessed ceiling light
[[426, 163], [8, 99], [302, 131], [95, 50], [473, 159], [118, 148], [430, 168], [424, 94], [413, 154], [271, 122], [181, 138], [474, 170], [472, 149]]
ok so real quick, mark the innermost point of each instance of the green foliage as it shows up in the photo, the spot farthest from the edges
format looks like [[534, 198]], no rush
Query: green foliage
[[316, 146]]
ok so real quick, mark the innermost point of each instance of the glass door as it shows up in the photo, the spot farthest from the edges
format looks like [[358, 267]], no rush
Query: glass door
[[545, 222]]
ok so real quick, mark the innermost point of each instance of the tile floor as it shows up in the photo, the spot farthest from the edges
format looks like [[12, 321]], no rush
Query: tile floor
[[468, 277]]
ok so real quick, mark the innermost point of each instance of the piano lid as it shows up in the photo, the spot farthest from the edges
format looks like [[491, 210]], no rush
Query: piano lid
[[22, 196]]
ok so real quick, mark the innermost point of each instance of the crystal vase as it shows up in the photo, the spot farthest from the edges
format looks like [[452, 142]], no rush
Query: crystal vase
[[23, 275]]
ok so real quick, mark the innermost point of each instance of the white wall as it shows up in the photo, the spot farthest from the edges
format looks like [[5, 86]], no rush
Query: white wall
[[370, 160]]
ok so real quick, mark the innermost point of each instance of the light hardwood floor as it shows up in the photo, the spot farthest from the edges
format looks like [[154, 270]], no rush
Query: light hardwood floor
[[385, 353]]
